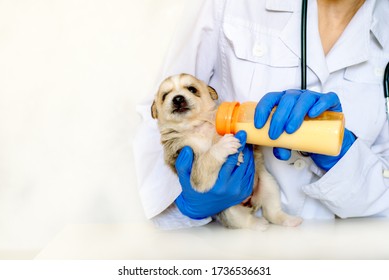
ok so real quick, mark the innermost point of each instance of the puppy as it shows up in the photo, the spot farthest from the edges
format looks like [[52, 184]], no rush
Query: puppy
[[186, 108]]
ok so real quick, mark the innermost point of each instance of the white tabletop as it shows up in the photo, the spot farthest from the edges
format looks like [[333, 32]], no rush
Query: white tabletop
[[338, 239]]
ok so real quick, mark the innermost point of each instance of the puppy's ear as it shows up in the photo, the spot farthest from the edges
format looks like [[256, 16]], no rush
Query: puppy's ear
[[154, 112], [213, 93]]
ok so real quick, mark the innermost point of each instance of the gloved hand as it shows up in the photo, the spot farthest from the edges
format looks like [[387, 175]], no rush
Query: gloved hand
[[234, 183], [292, 106]]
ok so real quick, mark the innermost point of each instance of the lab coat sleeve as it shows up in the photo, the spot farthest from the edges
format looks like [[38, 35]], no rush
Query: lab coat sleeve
[[171, 218], [193, 51], [356, 185]]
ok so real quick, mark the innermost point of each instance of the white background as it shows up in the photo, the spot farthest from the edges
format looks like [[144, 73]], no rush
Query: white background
[[71, 73]]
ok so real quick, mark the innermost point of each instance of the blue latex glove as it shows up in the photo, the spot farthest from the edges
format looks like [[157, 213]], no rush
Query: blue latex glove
[[234, 183], [292, 107]]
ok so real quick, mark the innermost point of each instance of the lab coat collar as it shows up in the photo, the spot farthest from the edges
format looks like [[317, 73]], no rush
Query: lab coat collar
[[291, 37], [354, 43], [380, 23]]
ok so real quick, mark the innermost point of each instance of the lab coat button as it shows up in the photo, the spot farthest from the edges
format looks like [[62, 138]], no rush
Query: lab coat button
[[259, 50], [299, 164], [379, 72]]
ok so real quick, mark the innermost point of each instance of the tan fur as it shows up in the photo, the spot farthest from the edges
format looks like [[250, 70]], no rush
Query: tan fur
[[193, 125]]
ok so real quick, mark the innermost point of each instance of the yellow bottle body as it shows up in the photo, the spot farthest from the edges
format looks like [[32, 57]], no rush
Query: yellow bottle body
[[321, 135]]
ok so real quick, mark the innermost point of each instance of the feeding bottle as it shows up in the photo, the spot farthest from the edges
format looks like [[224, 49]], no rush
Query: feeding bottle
[[320, 135]]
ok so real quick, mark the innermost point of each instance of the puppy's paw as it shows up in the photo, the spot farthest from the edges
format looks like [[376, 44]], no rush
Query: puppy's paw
[[259, 224], [227, 145], [292, 221], [281, 218]]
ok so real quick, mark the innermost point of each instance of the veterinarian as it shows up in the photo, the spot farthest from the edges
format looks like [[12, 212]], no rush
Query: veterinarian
[[251, 51]]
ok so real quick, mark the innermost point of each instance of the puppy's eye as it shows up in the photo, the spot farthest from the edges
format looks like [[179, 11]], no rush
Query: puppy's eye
[[192, 89], [164, 97]]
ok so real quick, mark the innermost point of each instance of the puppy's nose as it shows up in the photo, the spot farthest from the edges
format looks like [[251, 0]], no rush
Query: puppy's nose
[[179, 101]]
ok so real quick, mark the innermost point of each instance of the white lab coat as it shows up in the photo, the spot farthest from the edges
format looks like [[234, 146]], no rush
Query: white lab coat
[[245, 49]]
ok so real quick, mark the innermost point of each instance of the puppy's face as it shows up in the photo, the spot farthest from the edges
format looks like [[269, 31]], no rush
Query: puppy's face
[[182, 97]]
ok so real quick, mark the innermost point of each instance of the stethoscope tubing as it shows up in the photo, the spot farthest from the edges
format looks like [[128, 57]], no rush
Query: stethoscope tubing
[[304, 44], [386, 89]]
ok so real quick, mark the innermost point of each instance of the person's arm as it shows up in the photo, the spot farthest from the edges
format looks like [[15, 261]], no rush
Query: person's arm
[[193, 51], [356, 185], [352, 184]]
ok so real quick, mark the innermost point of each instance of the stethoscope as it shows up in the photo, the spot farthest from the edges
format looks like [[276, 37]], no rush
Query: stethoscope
[[385, 172], [304, 58], [386, 89]]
